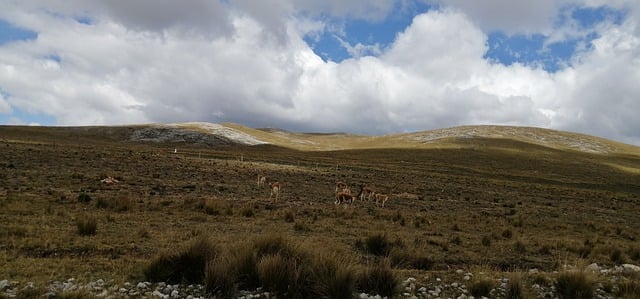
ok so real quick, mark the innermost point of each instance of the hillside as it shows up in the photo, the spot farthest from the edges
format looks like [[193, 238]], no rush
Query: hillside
[[229, 134], [482, 202]]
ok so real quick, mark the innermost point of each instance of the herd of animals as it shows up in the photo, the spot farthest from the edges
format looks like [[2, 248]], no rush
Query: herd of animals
[[342, 191]]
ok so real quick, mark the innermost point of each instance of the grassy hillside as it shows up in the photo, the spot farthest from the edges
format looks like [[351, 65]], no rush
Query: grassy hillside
[[488, 204]]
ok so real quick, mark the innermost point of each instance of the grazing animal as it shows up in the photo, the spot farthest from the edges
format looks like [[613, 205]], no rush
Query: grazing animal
[[380, 198], [261, 180], [109, 181], [346, 198], [366, 193], [275, 190], [340, 186]]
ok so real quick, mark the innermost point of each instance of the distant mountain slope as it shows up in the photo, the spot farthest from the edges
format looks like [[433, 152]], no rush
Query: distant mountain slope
[[210, 134], [441, 138]]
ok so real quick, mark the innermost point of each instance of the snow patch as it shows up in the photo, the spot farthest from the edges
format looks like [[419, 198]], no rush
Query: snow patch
[[220, 130], [538, 136]]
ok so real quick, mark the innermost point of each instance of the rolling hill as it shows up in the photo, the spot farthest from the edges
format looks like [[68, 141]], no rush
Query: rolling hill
[[487, 200]]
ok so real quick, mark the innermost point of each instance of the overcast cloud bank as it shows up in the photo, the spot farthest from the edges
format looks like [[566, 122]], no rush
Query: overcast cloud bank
[[106, 62]]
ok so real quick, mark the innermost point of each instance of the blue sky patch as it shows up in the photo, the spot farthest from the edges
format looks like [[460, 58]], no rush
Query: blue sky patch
[[27, 118], [10, 33], [532, 50], [587, 17], [330, 45]]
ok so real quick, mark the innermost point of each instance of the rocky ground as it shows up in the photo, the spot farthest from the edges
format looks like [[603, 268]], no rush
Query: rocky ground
[[456, 284]]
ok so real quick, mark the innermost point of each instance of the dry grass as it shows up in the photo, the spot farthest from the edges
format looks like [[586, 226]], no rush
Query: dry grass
[[451, 208]]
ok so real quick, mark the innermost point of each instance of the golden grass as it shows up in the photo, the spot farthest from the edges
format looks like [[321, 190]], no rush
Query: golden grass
[[449, 206]]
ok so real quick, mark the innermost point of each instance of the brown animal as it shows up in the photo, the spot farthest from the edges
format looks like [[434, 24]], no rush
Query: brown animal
[[261, 180], [275, 190], [346, 198], [380, 198]]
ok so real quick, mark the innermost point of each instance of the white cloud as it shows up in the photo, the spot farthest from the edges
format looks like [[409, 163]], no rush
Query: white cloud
[[509, 16], [250, 65]]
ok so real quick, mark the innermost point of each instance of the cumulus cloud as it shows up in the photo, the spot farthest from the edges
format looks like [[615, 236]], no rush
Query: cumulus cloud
[[510, 16], [105, 62]]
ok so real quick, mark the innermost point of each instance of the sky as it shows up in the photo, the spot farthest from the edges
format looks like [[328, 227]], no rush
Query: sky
[[365, 67]]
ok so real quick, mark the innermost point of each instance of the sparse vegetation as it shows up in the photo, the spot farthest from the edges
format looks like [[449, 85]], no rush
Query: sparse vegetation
[[186, 265], [574, 285], [495, 207], [87, 225], [379, 279]]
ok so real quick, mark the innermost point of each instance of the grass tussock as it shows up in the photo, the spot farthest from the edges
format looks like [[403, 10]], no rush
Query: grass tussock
[[87, 225], [379, 279], [280, 267], [377, 244], [410, 259], [515, 287], [629, 289], [212, 207], [482, 287], [183, 266], [574, 285]]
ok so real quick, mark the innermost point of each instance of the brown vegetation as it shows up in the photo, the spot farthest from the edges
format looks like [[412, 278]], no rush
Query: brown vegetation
[[498, 203]]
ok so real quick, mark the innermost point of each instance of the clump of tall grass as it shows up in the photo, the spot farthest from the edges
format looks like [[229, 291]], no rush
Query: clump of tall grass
[[84, 198], [574, 284], [629, 289], [87, 225], [183, 266], [482, 287], [515, 287], [377, 244], [410, 259], [280, 267], [379, 279]]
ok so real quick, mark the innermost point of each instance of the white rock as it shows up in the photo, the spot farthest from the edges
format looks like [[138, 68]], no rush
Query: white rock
[[466, 277], [142, 285], [4, 284], [363, 296], [593, 267], [631, 268], [175, 294], [159, 294], [422, 290], [459, 271]]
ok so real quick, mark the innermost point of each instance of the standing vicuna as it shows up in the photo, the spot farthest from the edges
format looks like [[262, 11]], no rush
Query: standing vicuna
[[275, 190], [347, 198], [261, 180]]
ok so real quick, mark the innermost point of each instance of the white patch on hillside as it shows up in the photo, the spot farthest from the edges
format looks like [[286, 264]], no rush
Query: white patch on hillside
[[219, 130], [532, 135]]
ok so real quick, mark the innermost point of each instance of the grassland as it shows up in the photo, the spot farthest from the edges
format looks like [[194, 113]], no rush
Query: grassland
[[493, 203]]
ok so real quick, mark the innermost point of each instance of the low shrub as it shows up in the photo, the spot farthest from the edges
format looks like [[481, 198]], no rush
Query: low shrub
[[282, 268], [84, 198], [379, 279], [378, 245], [334, 276], [87, 225], [184, 266], [247, 212], [515, 287], [482, 287], [289, 216], [574, 284], [486, 241], [410, 259], [629, 289], [211, 207]]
